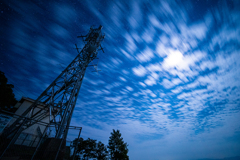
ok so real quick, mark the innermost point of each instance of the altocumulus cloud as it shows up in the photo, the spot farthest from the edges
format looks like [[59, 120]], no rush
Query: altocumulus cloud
[[170, 72]]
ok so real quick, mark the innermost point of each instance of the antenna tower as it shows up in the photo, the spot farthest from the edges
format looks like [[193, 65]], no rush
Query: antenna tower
[[60, 97]]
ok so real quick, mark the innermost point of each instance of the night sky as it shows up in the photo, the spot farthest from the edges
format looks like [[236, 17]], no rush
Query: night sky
[[170, 74]]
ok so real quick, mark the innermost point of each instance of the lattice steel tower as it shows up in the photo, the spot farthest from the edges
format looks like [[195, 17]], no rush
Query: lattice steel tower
[[60, 97]]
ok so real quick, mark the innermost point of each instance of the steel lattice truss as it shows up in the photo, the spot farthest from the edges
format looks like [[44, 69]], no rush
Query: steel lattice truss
[[60, 97]]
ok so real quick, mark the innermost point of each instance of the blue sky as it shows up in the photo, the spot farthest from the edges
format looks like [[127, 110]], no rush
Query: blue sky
[[170, 74]]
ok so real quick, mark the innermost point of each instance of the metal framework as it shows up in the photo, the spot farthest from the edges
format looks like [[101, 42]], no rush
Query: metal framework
[[60, 97], [37, 141]]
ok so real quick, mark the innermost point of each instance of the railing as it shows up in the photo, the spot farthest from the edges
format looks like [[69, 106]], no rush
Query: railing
[[27, 139]]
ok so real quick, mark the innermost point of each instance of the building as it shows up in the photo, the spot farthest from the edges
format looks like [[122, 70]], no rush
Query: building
[[30, 136], [26, 144]]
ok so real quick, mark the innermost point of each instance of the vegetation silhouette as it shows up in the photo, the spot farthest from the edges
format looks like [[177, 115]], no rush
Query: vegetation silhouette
[[117, 148], [7, 97], [89, 148]]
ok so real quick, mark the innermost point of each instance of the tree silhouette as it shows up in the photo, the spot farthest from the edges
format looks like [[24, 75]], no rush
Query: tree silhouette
[[117, 148], [80, 146], [101, 151], [90, 149], [7, 98]]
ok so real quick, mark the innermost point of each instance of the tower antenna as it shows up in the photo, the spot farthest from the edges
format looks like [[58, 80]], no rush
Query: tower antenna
[[59, 99]]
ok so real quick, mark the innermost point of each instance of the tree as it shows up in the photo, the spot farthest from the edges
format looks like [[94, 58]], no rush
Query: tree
[[86, 148], [117, 148], [7, 98], [101, 151], [78, 143], [90, 149]]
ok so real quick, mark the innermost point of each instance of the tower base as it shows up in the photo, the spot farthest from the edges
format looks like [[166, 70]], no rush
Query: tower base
[[50, 148]]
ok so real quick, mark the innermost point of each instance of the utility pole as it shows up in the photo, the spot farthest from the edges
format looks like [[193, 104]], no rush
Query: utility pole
[[59, 99]]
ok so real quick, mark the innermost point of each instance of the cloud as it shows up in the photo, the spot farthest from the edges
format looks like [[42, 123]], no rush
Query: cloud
[[59, 31], [129, 88], [123, 79], [139, 71], [130, 44], [177, 60], [169, 84], [154, 67], [148, 92], [196, 30], [114, 99], [116, 61], [174, 59], [64, 13], [154, 21], [148, 34], [136, 37], [177, 90], [136, 15], [150, 81], [161, 49], [126, 54], [115, 13], [142, 84], [145, 56]]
